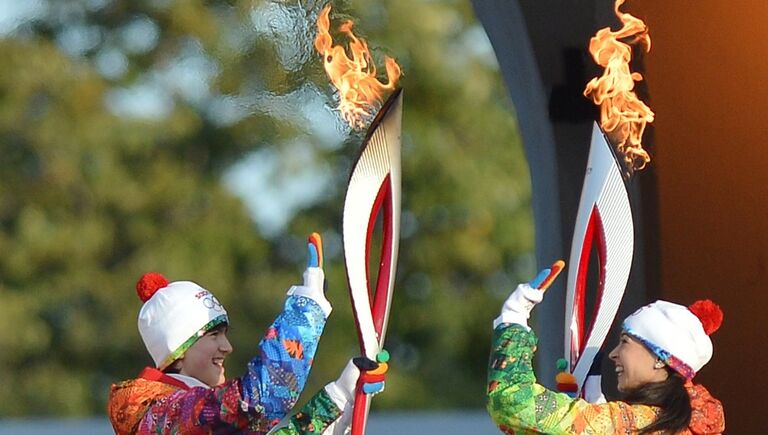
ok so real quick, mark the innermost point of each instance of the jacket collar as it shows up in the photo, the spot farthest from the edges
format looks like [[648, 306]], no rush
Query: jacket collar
[[153, 374]]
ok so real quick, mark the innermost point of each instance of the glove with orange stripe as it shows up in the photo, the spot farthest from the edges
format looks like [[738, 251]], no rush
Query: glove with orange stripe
[[314, 277], [517, 308], [372, 378], [360, 372]]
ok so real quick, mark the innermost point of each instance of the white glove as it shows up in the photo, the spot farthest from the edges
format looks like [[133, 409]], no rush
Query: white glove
[[593, 390], [314, 277], [517, 308], [342, 390]]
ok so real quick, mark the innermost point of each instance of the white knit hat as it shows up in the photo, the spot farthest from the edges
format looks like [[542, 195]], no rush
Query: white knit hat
[[174, 316], [678, 335]]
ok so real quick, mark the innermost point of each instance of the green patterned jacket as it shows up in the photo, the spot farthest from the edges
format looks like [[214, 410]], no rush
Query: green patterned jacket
[[314, 418], [519, 405]]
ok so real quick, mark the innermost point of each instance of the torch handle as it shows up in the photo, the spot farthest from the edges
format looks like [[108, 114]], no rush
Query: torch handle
[[360, 410]]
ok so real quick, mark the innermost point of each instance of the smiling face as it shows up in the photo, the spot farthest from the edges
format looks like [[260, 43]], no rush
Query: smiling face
[[635, 364], [205, 359]]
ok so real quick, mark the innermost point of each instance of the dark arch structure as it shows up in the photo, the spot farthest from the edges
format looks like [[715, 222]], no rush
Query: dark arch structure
[[700, 209]]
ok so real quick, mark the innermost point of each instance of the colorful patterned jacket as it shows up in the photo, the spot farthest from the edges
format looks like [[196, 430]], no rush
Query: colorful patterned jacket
[[518, 405], [156, 403]]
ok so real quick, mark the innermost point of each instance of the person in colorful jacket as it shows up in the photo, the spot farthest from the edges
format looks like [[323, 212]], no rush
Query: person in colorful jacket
[[662, 346], [184, 328]]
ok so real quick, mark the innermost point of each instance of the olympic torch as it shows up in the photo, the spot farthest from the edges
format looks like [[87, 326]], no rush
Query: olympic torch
[[374, 187], [604, 216], [373, 190]]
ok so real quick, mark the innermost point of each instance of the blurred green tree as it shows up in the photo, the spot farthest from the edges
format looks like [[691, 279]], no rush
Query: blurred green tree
[[160, 135]]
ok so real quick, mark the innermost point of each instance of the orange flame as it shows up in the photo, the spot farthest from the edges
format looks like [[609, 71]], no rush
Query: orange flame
[[622, 115], [355, 78]]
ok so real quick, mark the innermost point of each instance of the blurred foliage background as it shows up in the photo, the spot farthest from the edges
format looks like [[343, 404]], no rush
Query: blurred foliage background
[[198, 139]]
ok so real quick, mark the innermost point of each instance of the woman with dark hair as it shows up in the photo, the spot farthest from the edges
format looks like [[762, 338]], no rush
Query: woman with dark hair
[[662, 346]]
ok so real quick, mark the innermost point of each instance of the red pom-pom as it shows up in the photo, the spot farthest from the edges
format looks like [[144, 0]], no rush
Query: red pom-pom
[[709, 313], [148, 284]]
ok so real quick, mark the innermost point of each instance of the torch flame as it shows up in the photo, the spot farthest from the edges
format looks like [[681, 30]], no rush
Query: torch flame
[[622, 115], [355, 78]]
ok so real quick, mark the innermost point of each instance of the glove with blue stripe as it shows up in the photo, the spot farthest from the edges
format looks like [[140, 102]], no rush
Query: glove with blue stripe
[[517, 308], [314, 278]]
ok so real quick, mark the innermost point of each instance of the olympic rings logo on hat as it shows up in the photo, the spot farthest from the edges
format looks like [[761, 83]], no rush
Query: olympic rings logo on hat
[[212, 303], [209, 300]]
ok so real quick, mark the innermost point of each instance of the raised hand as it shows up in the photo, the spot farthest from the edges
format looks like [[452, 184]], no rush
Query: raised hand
[[517, 308], [314, 277]]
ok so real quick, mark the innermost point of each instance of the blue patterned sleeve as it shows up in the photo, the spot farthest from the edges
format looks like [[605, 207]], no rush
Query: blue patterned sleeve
[[275, 378]]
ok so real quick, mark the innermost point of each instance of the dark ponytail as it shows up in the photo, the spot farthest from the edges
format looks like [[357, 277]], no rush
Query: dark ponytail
[[672, 399]]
